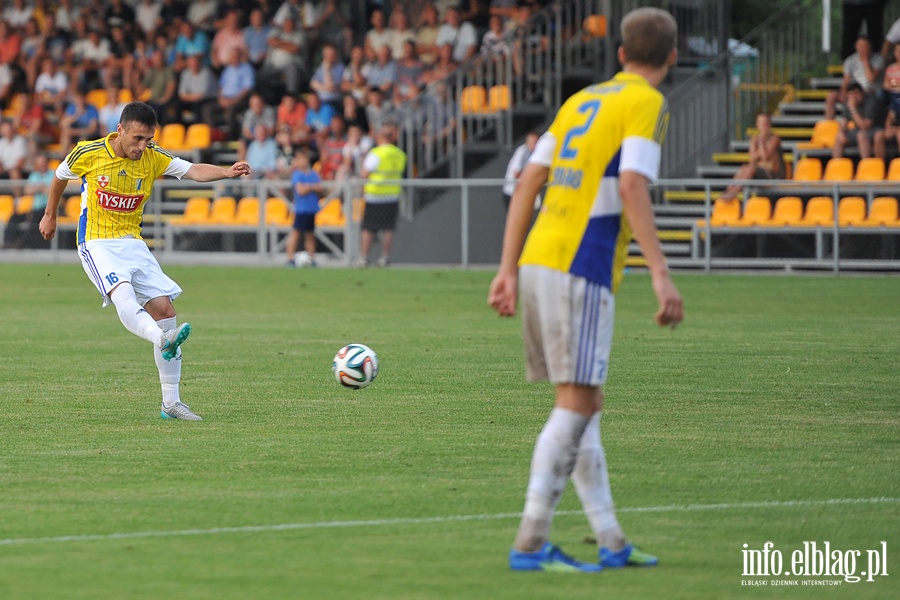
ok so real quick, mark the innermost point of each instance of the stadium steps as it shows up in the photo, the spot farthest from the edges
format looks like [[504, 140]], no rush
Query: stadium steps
[[713, 171], [800, 134], [739, 158], [795, 120], [811, 107], [825, 83], [744, 145], [813, 95]]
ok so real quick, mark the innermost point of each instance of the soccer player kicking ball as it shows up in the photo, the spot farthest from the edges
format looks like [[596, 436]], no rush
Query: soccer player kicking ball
[[117, 175], [599, 155]]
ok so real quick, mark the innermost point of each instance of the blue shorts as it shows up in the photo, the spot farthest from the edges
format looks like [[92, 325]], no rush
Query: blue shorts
[[305, 222]]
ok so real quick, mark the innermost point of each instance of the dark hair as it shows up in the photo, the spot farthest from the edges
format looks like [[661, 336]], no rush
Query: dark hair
[[854, 86], [649, 36], [139, 112]]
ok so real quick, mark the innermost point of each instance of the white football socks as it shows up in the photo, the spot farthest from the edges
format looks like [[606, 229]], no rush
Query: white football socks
[[169, 370], [551, 465], [591, 480], [135, 319]]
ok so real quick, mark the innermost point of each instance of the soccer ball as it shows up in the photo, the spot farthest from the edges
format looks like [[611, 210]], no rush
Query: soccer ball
[[355, 366]]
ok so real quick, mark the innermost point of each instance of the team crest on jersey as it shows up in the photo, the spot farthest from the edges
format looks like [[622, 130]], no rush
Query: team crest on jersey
[[102, 181]]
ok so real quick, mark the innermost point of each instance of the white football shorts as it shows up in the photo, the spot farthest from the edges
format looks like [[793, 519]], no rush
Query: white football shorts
[[110, 262], [568, 326]]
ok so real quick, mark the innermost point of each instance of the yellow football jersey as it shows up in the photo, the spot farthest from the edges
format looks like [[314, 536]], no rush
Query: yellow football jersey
[[580, 228], [113, 189]]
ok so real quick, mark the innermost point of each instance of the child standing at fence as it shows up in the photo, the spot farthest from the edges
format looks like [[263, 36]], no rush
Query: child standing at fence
[[307, 187]]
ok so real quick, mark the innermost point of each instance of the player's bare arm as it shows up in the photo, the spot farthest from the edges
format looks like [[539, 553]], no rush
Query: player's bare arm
[[47, 226], [204, 172], [504, 288], [636, 204]]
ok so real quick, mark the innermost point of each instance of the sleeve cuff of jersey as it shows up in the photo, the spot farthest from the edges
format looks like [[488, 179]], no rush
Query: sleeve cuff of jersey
[[63, 172], [640, 155], [178, 168], [543, 150]]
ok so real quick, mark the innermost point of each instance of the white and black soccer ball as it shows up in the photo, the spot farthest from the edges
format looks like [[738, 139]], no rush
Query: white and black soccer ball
[[355, 366]]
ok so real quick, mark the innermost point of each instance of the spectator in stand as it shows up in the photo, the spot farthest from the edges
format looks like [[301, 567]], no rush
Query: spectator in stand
[[285, 155], [202, 15], [110, 113], [227, 39], [326, 81], [288, 8], [318, 119], [331, 147], [863, 68], [766, 157], [197, 92], [18, 14], [10, 44], [51, 86], [307, 189], [120, 64], [13, 152], [30, 52], [516, 165], [7, 79], [236, 82], [287, 46], [90, 55], [461, 34], [440, 115], [258, 114], [333, 27], [23, 226], [504, 8], [66, 15], [119, 14], [476, 12], [262, 154], [256, 38], [409, 74], [377, 108], [444, 66], [426, 35], [291, 114], [863, 117], [891, 131], [377, 36], [190, 41], [891, 84], [529, 47], [147, 16], [891, 40], [354, 151], [353, 113], [31, 121], [383, 73], [496, 45], [853, 13], [354, 81], [80, 121], [56, 41], [159, 86], [399, 33]]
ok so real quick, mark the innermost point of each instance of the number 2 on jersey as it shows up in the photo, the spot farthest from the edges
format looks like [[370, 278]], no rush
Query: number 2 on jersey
[[591, 107]]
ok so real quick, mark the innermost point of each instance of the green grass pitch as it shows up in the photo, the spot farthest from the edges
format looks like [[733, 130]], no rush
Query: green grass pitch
[[771, 414]]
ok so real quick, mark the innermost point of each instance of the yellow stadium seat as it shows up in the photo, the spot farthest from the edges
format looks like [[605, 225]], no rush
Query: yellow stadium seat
[[172, 137], [819, 212], [247, 211], [71, 210], [499, 98], [15, 106], [870, 169], [725, 213], [97, 98], [823, 136], [893, 173], [278, 212], [808, 169], [222, 211], [851, 211], [595, 25], [198, 136], [7, 207], [473, 99], [196, 211], [757, 211], [331, 215], [838, 169], [125, 96], [23, 204], [788, 211], [882, 212]]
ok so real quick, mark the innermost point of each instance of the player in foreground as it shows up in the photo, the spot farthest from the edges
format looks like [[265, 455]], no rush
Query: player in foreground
[[599, 155], [117, 175]]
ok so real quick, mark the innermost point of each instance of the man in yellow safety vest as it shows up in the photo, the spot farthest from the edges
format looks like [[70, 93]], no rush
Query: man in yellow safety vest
[[383, 166]]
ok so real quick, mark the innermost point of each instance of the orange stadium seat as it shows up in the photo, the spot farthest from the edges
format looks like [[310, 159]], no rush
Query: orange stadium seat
[[71, 210], [196, 211], [725, 213], [851, 211], [278, 212], [882, 212], [222, 211], [499, 98], [757, 211], [838, 169], [595, 25], [198, 136], [331, 215], [893, 173], [819, 212], [870, 169], [808, 169], [172, 137], [788, 211], [823, 136], [97, 98], [473, 99], [7, 207], [247, 211], [125, 96], [23, 204]]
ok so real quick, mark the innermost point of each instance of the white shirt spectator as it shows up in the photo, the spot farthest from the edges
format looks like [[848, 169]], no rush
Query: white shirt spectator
[[56, 83], [462, 38], [13, 151], [893, 34], [18, 17], [147, 13], [854, 67], [202, 13], [514, 168]]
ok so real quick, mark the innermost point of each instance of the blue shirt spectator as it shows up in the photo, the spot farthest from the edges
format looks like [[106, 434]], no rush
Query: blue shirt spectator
[[262, 154], [318, 114], [236, 79], [256, 36], [305, 204], [191, 41], [87, 115]]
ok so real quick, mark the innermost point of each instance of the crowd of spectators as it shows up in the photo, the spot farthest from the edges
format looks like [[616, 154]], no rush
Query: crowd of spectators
[[273, 75]]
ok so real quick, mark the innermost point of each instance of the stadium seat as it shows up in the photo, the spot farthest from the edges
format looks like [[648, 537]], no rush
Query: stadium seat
[[14, 107], [838, 169], [819, 212], [247, 211], [331, 215], [808, 169], [499, 98], [757, 211], [788, 211], [278, 212], [125, 96], [882, 212], [823, 136], [172, 137], [7, 207], [198, 136], [595, 25], [222, 211], [196, 211], [893, 173], [473, 99], [851, 211], [71, 211], [23, 204], [97, 98], [725, 213], [870, 169]]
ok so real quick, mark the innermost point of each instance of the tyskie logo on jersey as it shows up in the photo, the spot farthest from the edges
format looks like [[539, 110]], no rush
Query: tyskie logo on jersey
[[119, 202]]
